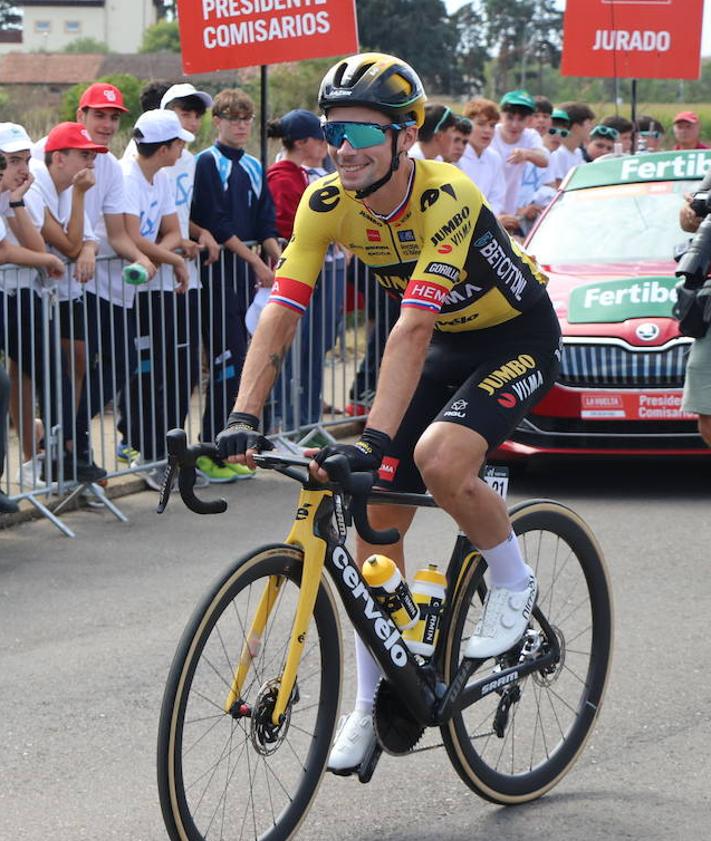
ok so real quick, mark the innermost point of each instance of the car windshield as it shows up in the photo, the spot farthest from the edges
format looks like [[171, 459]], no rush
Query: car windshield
[[620, 223]]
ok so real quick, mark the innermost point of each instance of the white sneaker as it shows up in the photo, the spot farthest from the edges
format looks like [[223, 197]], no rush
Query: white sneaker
[[29, 473], [355, 736], [504, 620]]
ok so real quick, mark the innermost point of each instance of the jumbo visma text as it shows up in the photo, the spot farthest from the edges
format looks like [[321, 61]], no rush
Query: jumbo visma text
[[259, 30]]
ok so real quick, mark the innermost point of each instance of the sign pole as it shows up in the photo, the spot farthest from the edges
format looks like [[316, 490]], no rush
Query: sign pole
[[263, 105], [633, 115]]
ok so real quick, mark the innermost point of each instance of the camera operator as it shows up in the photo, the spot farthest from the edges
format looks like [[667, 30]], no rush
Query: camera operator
[[697, 385]]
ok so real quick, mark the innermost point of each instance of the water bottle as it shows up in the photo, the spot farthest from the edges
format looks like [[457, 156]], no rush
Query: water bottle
[[391, 590], [135, 274], [429, 590]]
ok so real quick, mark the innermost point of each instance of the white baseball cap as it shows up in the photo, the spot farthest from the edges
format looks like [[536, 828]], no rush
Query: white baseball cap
[[160, 127], [182, 90], [14, 138]]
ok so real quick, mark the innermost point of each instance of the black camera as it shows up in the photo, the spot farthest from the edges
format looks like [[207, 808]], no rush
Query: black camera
[[701, 203]]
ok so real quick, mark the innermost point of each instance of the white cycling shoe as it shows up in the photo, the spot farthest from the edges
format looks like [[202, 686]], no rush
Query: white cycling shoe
[[355, 737], [504, 620]]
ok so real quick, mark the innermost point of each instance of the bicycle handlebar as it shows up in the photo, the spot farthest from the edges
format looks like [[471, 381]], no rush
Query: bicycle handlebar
[[182, 459]]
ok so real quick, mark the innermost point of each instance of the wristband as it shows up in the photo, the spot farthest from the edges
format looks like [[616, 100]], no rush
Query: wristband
[[18, 203], [244, 420]]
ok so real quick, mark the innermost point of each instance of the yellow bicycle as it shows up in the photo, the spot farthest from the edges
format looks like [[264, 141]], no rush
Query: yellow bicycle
[[252, 698]]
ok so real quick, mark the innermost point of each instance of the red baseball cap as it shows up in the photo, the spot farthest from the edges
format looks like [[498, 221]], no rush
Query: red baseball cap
[[71, 136], [102, 95], [686, 116]]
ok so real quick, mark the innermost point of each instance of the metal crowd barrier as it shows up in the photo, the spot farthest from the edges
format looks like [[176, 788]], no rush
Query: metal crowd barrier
[[96, 383]]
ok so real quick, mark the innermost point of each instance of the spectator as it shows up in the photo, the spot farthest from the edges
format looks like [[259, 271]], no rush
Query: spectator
[[304, 149], [570, 154], [602, 142], [479, 161], [542, 115], [534, 178], [517, 144], [460, 138], [152, 223], [233, 202], [7, 505], [624, 128], [152, 95], [22, 244], [111, 326], [56, 203], [687, 129], [434, 138], [697, 383], [650, 133]]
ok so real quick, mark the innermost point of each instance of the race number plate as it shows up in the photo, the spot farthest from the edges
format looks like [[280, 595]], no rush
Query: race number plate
[[497, 478]]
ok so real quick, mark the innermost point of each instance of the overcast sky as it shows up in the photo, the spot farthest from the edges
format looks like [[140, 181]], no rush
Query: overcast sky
[[453, 5]]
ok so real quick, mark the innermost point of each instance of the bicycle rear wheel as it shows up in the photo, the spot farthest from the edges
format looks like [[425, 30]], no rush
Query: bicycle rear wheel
[[233, 775], [517, 742]]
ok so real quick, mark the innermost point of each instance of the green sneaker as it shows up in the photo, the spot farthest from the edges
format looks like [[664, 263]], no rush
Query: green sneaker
[[215, 471], [241, 471]]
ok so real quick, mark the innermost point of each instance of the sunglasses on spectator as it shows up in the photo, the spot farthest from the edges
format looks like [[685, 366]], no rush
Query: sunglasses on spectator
[[605, 131], [360, 135], [442, 120], [654, 134], [563, 132]]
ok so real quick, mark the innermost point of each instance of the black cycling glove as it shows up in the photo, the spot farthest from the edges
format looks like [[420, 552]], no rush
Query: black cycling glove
[[241, 434], [363, 456]]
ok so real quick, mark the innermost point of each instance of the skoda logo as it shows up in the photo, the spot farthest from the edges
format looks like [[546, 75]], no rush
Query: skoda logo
[[647, 332]]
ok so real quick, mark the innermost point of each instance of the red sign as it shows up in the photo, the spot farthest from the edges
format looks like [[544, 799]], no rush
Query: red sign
[[225, 34], [633, 39], [633, 405]]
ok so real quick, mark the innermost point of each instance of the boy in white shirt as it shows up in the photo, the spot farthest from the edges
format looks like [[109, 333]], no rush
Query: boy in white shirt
[[153, 224], [479, 161], [517, 144], [56, 203], [434, 138], [21, 243], [570, 153]]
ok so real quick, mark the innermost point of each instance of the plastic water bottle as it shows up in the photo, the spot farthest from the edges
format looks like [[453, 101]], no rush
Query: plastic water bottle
[[391, 590], [135, 274], [429, 590]]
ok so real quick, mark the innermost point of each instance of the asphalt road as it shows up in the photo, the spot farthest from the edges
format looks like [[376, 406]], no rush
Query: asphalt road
[[88, 628]]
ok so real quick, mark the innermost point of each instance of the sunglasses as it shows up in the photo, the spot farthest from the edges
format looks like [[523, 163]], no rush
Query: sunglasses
[[563, 132], [360, 135], [605, 131], [654, 134]]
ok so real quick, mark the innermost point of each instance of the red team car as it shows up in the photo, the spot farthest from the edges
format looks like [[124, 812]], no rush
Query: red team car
[[606, 242]]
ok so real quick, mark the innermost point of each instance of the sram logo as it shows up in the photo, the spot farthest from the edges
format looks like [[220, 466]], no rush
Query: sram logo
[[498, 683], [384, 628]]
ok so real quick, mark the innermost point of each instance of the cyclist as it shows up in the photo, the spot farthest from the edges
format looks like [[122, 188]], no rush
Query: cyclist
[[475, 346]]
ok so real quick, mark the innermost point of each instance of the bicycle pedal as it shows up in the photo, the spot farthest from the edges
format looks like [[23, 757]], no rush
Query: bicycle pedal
[[369, 763]]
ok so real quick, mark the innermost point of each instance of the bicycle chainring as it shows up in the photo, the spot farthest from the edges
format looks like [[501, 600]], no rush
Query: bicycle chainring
[[395, 729]]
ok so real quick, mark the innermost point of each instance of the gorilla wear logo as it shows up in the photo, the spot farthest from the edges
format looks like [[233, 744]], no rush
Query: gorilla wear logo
[[324, 199]]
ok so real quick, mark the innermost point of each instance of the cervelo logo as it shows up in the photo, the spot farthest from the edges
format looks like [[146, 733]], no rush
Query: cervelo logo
[[641, 292], [384, 628]]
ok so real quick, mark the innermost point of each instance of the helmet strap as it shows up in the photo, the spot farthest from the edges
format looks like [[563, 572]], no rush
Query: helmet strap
[[394, 165]]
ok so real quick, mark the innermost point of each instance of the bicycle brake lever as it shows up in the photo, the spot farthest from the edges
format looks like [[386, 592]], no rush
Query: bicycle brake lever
[[167, 485]]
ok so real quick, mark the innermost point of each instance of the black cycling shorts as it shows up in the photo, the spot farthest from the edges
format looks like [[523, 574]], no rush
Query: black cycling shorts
[[486, 380]]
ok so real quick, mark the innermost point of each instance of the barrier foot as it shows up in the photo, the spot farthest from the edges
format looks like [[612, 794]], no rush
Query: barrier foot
[[51, 517], [101, 497]]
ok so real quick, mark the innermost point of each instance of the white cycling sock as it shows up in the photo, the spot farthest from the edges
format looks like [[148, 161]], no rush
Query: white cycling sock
[[368, 674], [506, 566]]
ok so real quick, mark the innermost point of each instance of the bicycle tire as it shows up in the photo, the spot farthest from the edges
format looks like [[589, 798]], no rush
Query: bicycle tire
[[520, 765], [217, 776]]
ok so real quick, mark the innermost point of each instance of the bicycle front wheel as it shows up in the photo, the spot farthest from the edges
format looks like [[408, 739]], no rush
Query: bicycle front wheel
[[234, 774], [517, 742]]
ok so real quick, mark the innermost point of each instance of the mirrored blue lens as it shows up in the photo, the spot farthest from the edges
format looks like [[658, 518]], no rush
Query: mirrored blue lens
[[359, 135]]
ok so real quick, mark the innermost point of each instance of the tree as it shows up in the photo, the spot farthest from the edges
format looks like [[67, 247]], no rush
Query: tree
[[418, 31], [163, 36], [10, 16], [86, 45]]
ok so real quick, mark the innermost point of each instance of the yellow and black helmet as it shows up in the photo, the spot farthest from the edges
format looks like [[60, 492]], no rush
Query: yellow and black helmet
[[378, 81]]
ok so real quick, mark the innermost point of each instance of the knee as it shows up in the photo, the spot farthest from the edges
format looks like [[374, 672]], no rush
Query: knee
[[444, 468], [705, 428]]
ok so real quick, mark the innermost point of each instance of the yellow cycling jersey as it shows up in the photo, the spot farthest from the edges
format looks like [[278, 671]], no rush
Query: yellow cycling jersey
[[442, 250]]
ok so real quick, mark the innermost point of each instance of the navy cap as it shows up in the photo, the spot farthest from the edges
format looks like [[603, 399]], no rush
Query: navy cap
[[301, 124]]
